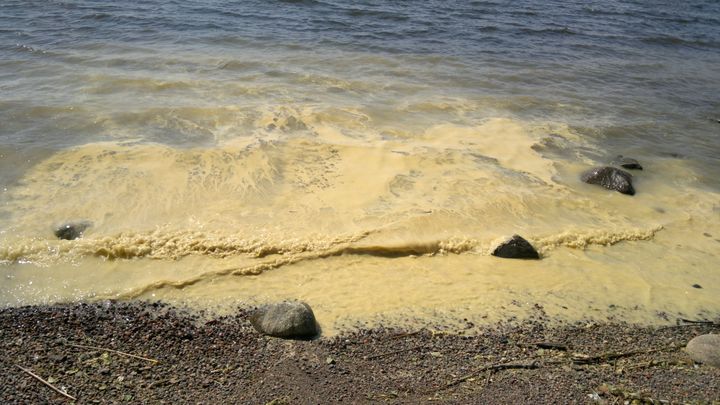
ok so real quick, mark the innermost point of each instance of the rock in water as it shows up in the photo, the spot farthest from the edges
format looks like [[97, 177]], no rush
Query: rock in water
[[610, 178], [71, 230], [516, 248], [705, 349], [287, 319], [627, 163]]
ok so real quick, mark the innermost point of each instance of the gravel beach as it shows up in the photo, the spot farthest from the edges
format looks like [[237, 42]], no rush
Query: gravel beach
[[87, 351]]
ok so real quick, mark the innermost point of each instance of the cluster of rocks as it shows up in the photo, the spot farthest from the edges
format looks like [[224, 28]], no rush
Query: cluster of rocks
[[613, 178]]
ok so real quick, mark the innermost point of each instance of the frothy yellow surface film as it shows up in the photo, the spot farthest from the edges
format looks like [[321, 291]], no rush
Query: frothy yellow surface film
[[365, 225]]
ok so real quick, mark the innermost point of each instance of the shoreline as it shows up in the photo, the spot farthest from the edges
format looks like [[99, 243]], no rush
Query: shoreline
[[84, 349]]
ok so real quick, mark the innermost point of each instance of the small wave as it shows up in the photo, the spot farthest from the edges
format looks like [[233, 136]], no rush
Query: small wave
[[605, 11], [383, 15], [551, 31], [30, 49], [432, 248], [109, 84], [301, 2], [172, 246], [176, 245], [582, 239], [162, 246], [454, 246], [97, 16], [239, 65], [669, 40]]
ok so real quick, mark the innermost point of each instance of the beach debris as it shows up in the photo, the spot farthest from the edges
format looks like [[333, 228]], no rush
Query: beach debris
[[580, 358], [54, 388], [627, 163], [279, 401], [552, 346], [287, 319], [513, 365], [112, 351], [516, 248], [610, 178], [696, 286], [71, 230], [409, 349], [629, 396], [705, 349], [692, 322]]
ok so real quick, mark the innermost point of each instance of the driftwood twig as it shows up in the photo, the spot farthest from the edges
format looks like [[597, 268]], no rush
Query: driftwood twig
[[632, 396], [377, 356], [579, 358], [552, 346], [112, 351], [546, 345], [54, 388], [690, 322], [494, 367]]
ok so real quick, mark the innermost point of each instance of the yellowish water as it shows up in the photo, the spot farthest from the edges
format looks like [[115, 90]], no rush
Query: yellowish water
[[394, 228]]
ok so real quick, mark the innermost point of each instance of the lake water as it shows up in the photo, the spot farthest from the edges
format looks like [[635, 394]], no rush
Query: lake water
[[365, 157]]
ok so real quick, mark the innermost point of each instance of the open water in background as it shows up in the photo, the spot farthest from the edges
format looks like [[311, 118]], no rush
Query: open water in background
[[173, 123], [628, 71]]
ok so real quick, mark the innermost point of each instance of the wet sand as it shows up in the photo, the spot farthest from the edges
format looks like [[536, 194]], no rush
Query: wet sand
[[201, 359]]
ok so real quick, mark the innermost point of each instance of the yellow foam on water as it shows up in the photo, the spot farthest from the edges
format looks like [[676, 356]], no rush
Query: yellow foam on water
[[361, 224]]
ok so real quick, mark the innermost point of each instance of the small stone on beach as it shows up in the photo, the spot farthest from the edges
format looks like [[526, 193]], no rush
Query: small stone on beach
[[705, 349], [287, 319]]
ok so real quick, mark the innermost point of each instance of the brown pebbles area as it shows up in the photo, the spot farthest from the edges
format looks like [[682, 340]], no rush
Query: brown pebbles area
[[83, 350]]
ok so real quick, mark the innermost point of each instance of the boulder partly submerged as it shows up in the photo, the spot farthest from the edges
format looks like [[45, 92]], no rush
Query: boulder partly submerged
[[627, 163], [610, 178], [287, 319], [71, 230], [705, 349], [516, 248]]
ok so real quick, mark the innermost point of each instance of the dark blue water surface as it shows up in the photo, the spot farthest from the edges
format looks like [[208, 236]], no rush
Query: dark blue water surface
[[620, 72], [552, 31]]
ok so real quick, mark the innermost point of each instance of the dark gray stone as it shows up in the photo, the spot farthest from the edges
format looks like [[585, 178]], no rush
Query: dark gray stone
[[627, 163], [71, 230], [516, 248], [705, 349], [610, 178], [287, 319]]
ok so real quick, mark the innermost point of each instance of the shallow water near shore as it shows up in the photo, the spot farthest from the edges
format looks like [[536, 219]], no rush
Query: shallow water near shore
[[365, 159]]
